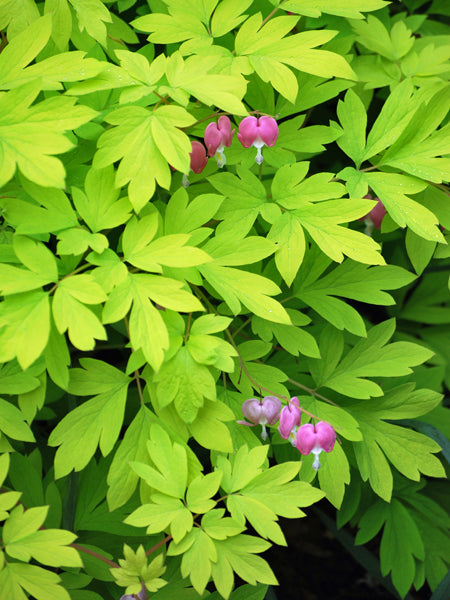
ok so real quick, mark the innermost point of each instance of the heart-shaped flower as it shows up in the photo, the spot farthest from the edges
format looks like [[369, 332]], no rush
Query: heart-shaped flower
[[313, 439], [258, 132], [261, 412]]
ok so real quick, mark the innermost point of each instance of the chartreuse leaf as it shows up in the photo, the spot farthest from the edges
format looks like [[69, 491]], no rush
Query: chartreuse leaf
[[410, 452], [92, 16], [14, 380], [24, 540], [96, 422], [288, 234], [71, 314], [246, 197], [228, 15], [239, 554], [30, 136], [269, 494], [254, 291], [17, 16], [42, 584], [201, 490], [353, 118], [416, 150], [122, 480], [209, 429], [144, 252], [146, 325], [354, 281], [322, 221], [395, 115], [192, 77], [61, 21], [293, 337], [142, 137], [22, 49], [352, 9], [24, 326], [392, 45], [57, 357], [12, 423], [7, 499], [268, 51], [54, 214], [100, 207], [391, 189], [186, 21], [371, 357], [186, 383], [134, 571], [183, 217]]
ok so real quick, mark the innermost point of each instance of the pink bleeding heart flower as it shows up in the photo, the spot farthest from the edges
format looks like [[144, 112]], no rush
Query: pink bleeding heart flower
[[375, 217], [198, 160], [313, 439], [261, 412], [258, 132], [217, 137], [290, 419]]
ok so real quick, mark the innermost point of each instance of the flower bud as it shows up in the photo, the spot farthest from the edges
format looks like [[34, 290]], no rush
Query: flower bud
[[258, 132], [313, 439], [198, 161], [290, 418], [217, 136], [375, 217]]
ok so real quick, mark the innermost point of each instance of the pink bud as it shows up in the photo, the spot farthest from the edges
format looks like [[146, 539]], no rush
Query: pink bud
[[198, 157], [261, 412], [375, 217], [258, 132], [198, 161], [217, 136], [377, 213], [314, 439], [290, 418]]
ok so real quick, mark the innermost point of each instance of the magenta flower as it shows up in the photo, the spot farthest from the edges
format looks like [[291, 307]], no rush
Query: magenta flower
[[375, 217], [290, 418], [261, 412], [217, 136], [198, 161], [258, 132], [314, 439]]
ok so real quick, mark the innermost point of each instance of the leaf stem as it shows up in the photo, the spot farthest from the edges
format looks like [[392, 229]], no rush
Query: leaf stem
[[81, 548], [270, 15], [158, 545], [312, 392]]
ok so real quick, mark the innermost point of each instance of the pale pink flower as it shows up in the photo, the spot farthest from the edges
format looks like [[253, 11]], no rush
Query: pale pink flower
[[261, 412], [313, 439]]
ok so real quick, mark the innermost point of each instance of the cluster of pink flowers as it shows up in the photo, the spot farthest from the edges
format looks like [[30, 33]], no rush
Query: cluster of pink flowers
[[253, 131], [308, 438]]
